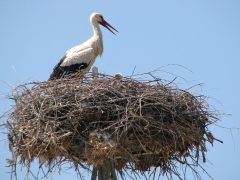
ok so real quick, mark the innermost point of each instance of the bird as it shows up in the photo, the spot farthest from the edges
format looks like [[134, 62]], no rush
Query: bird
[[83, 56], [211, 138], [95, 72], [118, 76]]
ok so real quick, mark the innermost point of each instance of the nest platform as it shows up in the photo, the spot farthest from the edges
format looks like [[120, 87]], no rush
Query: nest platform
[[135, 124]]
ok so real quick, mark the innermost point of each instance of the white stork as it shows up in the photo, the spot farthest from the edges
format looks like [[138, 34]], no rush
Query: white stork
[[118, 76], [95, 72], [83, 56]]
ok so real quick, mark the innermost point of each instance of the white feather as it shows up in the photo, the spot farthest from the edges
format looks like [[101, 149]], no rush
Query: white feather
[[78, 55], [83, 56]]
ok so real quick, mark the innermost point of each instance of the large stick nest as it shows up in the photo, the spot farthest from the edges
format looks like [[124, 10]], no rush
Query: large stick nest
[[136, 124]]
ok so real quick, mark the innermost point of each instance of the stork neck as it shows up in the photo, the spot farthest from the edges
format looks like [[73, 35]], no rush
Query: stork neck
[[96, 41], [96, 29]]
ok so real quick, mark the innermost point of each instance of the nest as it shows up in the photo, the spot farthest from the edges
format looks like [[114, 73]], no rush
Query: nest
[[134, 123]]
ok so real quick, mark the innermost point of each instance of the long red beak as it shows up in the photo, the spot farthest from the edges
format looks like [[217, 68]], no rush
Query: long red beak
[[108, 26]]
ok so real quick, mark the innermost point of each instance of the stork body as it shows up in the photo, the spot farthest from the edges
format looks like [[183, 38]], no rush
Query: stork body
[[82, 57]]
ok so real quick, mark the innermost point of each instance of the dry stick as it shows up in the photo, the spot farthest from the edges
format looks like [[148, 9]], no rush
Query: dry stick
[[68, 106], [133, 72]]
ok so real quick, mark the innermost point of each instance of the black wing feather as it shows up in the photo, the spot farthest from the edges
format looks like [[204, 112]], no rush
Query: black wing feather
[[60, 71], [57, 70]]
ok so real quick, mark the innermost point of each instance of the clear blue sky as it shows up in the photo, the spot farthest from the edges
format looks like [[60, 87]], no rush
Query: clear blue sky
[[203, 36]]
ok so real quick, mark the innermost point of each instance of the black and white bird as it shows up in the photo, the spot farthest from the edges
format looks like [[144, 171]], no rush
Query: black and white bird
[[82, 57]]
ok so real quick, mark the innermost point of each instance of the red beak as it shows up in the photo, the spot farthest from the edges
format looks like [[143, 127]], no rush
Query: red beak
[[108, 26]]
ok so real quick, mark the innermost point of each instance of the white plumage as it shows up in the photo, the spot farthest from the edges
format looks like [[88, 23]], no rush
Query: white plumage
[[95, 72], [83, 56]]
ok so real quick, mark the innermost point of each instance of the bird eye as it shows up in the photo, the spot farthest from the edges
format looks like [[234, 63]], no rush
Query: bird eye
[[101, 17]]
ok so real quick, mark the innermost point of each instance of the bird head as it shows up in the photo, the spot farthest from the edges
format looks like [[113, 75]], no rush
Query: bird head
[[118, 76], [97, 17]]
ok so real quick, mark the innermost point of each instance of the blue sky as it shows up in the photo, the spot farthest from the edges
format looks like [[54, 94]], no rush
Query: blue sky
[[203, 36]]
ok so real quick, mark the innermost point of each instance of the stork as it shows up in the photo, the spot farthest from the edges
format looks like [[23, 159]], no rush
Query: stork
[[95, 72], [118, 76], [83, 56]]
